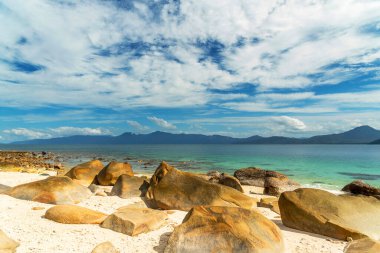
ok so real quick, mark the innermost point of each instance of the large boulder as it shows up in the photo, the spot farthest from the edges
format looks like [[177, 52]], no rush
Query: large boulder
[[71, 214], [274, 183], [324, 213], [85, 173], [173, 189], [134, 221], [128, 187], [105, 247], [109, 174], [230, 182], [52, 190], [365, 245], [223, 230], [359, 187], [7, 245]]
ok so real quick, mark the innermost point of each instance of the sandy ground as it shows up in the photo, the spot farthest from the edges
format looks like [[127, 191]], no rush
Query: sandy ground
[[36, 234]]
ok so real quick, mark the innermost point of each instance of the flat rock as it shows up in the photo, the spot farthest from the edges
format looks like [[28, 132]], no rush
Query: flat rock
[[71, 214], [105, 247], [109, 174], [134, 221], [223, 230], [324, 213], [85, 173], [365, 245], [7, 245], [52, 190], [173, 189], [359, 187], [129, 186]]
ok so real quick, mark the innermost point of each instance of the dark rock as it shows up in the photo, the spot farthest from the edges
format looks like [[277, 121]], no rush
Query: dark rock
[[359, 187]]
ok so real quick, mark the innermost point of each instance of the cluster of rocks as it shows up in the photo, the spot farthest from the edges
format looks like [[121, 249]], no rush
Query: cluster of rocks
[[221, 218], [24, 161]]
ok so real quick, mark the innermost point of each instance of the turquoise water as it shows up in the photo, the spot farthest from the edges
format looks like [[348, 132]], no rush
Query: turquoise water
[[326, 166]]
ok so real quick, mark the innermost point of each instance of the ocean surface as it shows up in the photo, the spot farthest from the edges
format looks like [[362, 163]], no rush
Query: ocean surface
[[324, 166]]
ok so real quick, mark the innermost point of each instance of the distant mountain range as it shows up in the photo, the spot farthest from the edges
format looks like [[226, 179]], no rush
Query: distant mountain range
[[359, 135]]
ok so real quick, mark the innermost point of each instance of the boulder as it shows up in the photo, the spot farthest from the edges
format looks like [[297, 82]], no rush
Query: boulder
[[71, 214], [98, 190], [134, 221], [225, 229], [365, 245], [105, 247], [230, 182], [7, 245], [109, 174], [271, 203], [85, 173], [173, 189], [129, 186], [274, 183], [359, 187], [324, 213], [52, 190]]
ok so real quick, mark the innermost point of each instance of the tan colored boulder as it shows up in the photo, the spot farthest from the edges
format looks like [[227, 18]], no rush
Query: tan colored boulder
[[129, 186], [324, 213], [365, 245], [105, 247], [230, 182], [7, 245], [274, 183], [359, 187], [271, 203], [134, 221], [173, 189], [225, 229], [71, 214], [85, 173], [52, 190], [109, 174]]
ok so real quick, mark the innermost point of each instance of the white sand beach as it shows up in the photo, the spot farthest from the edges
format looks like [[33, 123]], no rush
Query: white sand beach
[[36, 234]]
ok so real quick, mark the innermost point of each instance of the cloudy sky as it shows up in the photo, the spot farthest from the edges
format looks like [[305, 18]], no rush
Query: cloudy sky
[[232, 67]]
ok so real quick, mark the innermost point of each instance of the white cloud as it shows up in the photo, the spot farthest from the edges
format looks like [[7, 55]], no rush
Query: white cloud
[[67, 131], [296, 39], [137, 126], [290, 123], [28, 133], [162, 123]]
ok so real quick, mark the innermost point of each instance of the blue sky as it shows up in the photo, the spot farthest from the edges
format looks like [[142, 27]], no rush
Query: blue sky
[[231, 67]]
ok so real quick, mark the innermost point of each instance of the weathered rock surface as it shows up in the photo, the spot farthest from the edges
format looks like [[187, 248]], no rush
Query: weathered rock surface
[[7, 245], [85, 173], [324, 213], [225, 229], [359, 187], [271, 203], [109, 174], [105, 247], [134, 221], [230, 182], [129, 186], [173, 189], [274, 183], [71, 214], [52, 190], [365, 245]]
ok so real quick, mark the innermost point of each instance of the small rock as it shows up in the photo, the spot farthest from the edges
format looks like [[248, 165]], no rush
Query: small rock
[[105, 247]]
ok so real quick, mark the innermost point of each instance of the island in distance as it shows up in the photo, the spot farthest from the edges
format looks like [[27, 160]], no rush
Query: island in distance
[[358, 135]]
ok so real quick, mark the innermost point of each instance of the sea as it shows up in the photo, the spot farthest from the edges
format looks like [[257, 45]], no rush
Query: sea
[[321, 166]]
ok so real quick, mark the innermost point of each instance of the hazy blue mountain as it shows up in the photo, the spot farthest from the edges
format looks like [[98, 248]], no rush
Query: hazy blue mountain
[[376, 142], [359, 135]]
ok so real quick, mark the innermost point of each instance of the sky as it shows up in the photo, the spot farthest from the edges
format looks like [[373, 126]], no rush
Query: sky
[[229, 67]]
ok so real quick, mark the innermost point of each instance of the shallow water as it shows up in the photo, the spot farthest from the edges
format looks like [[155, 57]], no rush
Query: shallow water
[[326, 166]]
